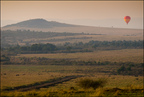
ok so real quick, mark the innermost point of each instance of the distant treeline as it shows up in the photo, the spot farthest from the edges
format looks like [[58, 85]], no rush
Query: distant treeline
[[76, 47], [101, 45], [114, 44], [35, 48]]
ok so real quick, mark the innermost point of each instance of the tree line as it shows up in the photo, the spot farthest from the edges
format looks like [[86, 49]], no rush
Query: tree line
[[108, 44], [34, 48], [76, 47]]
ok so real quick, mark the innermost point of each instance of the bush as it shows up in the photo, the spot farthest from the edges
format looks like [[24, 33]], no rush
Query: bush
[[89, 83]]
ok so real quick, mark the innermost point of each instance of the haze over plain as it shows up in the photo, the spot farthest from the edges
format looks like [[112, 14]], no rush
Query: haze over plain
[[90, 13]]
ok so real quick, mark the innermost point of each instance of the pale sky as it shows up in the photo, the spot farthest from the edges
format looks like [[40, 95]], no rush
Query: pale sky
[[91, 13]]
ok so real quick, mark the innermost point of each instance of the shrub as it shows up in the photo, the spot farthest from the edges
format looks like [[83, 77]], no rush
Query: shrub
[[89, 83]]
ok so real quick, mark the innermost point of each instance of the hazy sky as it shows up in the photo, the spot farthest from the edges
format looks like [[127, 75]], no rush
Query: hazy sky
[[92, 13]]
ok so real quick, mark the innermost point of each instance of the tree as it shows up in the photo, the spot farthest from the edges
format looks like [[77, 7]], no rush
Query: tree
[[121, 69]]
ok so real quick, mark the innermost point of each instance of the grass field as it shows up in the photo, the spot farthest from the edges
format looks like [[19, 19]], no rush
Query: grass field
[[17, 75], [83, 38], [31, 74], [41, 73], [27, 74], [124, 55]]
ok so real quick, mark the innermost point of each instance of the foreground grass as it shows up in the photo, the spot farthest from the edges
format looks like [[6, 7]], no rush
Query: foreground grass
[[28, 74], [100, 92], [127, 85]]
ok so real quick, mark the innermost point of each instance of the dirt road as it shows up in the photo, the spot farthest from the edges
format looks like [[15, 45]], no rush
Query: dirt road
[[43, 84]]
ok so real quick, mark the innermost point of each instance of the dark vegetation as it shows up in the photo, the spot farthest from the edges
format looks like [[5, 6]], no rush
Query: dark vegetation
[[75, 47], [35, 48], [90, 83], [103, 45]]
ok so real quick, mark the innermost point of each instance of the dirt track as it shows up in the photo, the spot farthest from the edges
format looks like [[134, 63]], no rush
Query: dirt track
[[42, 84]]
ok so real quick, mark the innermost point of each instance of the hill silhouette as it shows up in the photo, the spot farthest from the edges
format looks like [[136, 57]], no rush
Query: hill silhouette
[[38, 23]]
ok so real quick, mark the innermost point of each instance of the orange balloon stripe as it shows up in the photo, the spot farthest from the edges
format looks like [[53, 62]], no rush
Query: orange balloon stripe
[[126, 20]]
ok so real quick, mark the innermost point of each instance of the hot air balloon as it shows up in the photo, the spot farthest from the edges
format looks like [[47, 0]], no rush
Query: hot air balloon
[[127, 19]]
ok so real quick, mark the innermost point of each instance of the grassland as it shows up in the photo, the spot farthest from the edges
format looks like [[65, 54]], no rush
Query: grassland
[[17, 75], [125, 55], [82, 38], [41, 73]]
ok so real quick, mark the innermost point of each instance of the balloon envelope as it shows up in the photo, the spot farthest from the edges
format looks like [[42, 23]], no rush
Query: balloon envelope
[[127, 19]]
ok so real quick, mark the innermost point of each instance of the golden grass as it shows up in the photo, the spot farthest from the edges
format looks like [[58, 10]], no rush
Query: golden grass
[[125, 55], [11, 80], [34, 73], [113, 81], [100, 92], [27, 74], [79, 38]]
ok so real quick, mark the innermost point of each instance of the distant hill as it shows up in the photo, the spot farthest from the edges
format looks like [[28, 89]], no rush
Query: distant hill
[[45, 26], [38, 23]]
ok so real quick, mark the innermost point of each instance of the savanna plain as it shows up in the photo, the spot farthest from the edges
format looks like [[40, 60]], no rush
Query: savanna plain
[[94, 69], [116, 84]]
